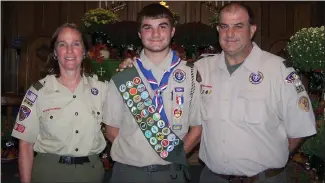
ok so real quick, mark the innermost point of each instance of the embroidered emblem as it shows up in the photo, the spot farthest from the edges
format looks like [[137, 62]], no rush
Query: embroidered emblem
[[151, 109], [138, 118], [19, 127], [28, 102], [166, 131], [300, 88], [129, 103], [94, 91], [129, 84], [171, 137], [179, 75], [177, 127], [170, 148], [24, 112], [140, 106], [154, 129], [126, 95], [304, 103], [164, 143], [147, 102], [292, 77], [31, 96], [133, 91], [150, 121], [178, 113], [137, 80], [122, 88], [158, 148], [176, 142], [144, 95], [156, 116], [153, 141], [143, 126], [179, 89], [159, 136], [141, 88], [148, 133], [137, 98], [256, 78], [163, 154], [134, 110], [144, 113], [161, 124]]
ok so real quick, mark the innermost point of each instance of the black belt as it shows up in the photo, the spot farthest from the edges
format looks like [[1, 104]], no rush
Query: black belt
[[157, 168], [73, 160]]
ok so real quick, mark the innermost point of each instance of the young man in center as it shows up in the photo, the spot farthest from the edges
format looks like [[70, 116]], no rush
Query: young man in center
[[152, 113]]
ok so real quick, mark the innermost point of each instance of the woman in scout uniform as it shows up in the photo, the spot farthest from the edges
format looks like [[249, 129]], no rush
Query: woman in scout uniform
[[154, 105], [60, 117]]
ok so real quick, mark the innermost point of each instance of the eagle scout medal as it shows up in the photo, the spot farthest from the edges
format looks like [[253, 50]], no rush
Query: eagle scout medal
[[94, 91], [256, 78], [179, 75], [24, 112], [303, 103]]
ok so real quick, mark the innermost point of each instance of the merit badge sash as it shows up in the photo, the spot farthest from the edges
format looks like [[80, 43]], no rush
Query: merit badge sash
[[154, 127]]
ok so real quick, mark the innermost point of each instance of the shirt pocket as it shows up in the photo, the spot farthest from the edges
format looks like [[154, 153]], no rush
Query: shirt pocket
[[205, 108], [255, 107], [55, 124]]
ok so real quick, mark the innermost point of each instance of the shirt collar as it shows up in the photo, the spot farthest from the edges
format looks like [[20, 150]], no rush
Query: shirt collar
[[251, 62], [164, 65], [52, 82]]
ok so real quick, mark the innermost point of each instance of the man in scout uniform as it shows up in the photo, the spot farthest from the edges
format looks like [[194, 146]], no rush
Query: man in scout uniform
[[153, 111], [256, 110]]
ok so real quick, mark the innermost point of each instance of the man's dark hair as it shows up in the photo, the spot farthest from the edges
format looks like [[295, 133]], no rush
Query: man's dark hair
[[52, 64], [155, 11], [251, 16]]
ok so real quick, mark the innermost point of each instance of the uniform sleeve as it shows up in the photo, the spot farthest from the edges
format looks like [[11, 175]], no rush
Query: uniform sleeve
[[113, 108], [297, 112], [195, 114], [27, 122]]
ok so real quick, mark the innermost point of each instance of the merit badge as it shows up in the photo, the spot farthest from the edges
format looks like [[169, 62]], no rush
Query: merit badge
[[159, 136], [178, 113], [292, 77], [179, 89], [151, 108], [165, 143], [94, 91], [129, 84], [170, 148], [165, 131], [147, 102], [137, 98], [179, 99], [150, 121], [137, 80], [256, 78], [158, 148], [126, 95], [133, 91], [144, 95], [143, 126], [24, 112], [154, 129], [19, 127], [303, 103], [148, 133], [122, 88], [179, 75], [134, 110], [161, 124], [144, 113], [140, 106], [156, 116], [164, 154], [129, 103], [177, 127], [153, 141], [31, 96], [171, 137], [138, 118], [176, 142], [140, 88]]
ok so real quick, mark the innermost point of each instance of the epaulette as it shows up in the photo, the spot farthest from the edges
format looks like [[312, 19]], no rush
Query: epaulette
[[288, 63], [38, 85]]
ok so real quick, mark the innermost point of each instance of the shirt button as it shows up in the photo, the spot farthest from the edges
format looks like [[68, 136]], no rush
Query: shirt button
[[77, 131], [51, 117], [74, 96], [76, 113], [76, 149], [98, 113]]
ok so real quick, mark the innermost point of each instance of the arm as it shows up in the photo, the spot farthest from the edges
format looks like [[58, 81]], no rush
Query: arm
[[111, 133], [25, 161], [192, 138], [128, 62], [294, 144]]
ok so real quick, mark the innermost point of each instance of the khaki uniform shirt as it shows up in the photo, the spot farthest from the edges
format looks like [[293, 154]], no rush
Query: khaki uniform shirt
[[248, 116], [131, 146], [60, 122]]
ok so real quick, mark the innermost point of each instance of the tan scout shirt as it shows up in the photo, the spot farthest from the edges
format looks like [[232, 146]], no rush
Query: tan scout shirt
[[130, 146], [249, 115], [60, 122]]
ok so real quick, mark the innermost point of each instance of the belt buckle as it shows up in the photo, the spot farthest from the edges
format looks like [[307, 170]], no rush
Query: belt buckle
[[67, 160], [152, 168]]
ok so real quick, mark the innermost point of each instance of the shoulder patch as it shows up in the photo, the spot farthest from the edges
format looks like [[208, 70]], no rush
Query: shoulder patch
[[38, 85], [288, 63]]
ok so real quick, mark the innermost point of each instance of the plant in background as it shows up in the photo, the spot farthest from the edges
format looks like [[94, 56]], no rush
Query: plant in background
[[306, 48]]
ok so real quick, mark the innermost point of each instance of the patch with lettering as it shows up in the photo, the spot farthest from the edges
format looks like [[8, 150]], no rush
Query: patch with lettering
[[24, 112], [292, 77], [51, 109], [19, 127], [179, 89], [206, 89]]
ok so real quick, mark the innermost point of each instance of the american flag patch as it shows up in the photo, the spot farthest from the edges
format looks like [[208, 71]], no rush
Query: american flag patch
[[31, 96]]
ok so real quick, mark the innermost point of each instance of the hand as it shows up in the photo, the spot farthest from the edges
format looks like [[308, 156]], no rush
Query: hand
[[128, 62]]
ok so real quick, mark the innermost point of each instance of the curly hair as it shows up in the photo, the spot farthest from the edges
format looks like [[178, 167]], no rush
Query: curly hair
[[52, 64]]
